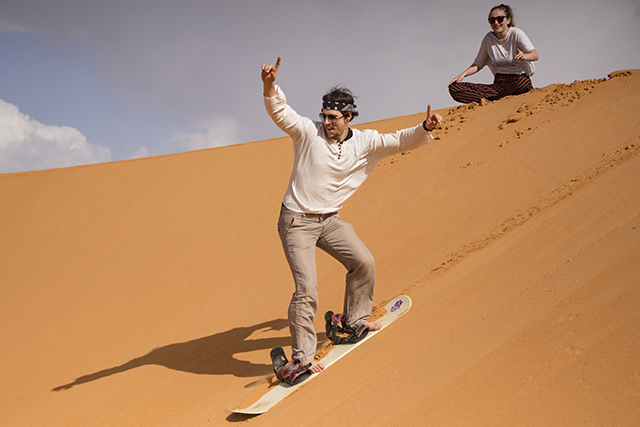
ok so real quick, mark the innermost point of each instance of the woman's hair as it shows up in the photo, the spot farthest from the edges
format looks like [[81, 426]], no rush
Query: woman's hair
[[340, 93], [508, 12]]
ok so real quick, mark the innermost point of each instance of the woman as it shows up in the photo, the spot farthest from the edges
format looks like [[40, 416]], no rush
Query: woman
[[508, 52]]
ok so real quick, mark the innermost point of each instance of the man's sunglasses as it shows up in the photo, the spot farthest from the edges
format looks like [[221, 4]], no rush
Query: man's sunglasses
[[331, 117], [493, 19]]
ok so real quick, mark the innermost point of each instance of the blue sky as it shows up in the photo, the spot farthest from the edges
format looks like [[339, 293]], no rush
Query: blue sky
[[62, 88], [84, 82]]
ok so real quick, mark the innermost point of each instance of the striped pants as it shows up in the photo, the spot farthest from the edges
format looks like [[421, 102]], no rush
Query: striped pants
[[503, 85]]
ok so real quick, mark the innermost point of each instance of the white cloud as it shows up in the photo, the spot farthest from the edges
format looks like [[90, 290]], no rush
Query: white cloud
[[26, 144], [222, 131], [142, 152], [11, 27], [219, 132]]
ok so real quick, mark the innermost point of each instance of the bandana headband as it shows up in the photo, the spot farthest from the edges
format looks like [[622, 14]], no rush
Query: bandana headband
[[339, 106]]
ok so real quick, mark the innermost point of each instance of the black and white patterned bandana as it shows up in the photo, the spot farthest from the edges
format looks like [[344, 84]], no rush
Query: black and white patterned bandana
[[339, 106]]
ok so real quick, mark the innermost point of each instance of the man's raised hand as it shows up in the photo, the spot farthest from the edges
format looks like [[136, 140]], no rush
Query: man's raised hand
[[270, 72], [433, 119]]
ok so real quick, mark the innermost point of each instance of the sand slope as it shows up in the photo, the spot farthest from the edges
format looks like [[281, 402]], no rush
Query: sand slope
[[149, 292]]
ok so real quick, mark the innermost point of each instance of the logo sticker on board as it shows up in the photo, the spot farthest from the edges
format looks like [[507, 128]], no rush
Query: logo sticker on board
[[396, 306]]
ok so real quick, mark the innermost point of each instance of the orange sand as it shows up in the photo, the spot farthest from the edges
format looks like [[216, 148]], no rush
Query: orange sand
[[149, 292]]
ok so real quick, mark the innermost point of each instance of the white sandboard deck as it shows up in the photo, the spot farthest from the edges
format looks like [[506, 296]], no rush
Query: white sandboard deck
[[395, 308]]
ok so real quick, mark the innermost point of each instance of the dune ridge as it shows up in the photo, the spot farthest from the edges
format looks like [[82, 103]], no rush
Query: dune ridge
[[150, 291]]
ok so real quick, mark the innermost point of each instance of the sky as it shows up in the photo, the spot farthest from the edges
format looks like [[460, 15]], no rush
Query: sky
[[86, 82]]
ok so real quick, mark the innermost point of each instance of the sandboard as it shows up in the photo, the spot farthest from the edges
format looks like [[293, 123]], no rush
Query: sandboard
[[395, 308]]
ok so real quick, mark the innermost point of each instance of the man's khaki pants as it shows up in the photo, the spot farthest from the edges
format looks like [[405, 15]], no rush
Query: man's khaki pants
[[300, 234]]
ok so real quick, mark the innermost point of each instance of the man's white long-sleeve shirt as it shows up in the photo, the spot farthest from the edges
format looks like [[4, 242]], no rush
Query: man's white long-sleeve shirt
[[326, 173]]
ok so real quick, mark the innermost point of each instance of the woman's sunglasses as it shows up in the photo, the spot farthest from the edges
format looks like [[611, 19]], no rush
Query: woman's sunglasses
[[493, 19]]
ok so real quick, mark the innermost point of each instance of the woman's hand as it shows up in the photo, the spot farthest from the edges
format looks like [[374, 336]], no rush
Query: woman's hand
[[458, 78], [531, 56], [469, 71]]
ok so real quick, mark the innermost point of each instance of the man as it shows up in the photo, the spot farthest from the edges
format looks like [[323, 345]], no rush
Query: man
[[331, 161]]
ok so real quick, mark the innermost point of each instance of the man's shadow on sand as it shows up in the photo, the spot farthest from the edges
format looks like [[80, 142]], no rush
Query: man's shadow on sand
[[212, 355]]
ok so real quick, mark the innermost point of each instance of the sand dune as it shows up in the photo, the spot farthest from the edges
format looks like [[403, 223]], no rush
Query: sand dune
[[149, 292]]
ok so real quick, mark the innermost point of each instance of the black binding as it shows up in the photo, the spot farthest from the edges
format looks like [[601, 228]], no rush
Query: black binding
[[339, 333], [289, 372]]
